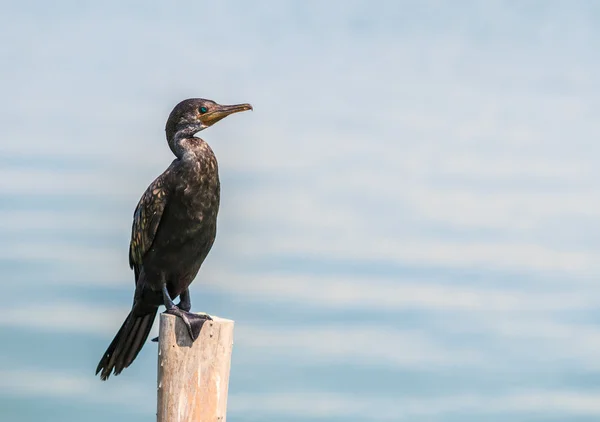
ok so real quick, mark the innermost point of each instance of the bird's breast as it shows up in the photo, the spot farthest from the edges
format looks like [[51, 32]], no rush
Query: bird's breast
[[198, 191]]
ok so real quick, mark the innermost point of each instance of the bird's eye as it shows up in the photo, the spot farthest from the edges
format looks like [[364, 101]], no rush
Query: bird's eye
[[203, 110]]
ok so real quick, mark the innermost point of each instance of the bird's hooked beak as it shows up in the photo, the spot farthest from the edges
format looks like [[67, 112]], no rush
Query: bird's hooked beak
[[219, 112]]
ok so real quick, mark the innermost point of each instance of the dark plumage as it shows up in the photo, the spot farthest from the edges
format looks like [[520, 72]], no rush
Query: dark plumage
[[174, 227]]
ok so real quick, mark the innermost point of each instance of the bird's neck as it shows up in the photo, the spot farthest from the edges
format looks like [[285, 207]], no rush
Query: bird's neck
[[176, 139]]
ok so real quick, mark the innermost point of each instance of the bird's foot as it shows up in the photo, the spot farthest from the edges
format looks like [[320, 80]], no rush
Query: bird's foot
[[193, 322], [184, 306]]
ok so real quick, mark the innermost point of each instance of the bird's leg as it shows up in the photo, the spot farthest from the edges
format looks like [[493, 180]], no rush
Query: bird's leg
[[185, 303], [193, 322], [167, 298], [171, 308]]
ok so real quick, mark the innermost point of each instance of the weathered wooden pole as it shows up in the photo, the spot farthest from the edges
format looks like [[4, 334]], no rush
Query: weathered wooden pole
[[193, 378]]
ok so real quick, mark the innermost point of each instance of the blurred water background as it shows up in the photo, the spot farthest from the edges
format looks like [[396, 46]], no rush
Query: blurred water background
[[409, 224]]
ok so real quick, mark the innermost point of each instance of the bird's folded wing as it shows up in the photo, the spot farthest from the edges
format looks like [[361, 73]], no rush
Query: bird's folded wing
[[146, 218]]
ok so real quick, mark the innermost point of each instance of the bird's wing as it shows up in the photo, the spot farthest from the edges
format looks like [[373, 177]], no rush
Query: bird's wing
[[146, 218]]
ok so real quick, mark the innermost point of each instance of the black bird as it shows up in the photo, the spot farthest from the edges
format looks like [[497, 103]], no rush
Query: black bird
[[174, 227]]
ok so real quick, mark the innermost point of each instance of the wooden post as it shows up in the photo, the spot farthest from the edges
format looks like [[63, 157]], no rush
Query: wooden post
[[193, 378]]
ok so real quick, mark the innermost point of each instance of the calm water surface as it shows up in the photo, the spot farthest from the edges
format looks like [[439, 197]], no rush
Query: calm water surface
[[409, 223]]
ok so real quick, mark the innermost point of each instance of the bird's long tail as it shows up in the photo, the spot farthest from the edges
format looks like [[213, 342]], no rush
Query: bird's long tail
[[127, 343]]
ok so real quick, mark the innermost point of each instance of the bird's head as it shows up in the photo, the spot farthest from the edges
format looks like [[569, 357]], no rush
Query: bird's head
[[195, 114]]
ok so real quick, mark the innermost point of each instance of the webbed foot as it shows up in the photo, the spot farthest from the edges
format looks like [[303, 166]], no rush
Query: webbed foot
[[193, 322]]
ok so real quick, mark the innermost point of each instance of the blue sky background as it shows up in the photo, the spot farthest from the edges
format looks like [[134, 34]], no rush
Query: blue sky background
[[409, 222]]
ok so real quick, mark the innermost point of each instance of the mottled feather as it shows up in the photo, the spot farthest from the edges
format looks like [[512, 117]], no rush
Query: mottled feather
[[146, 219]]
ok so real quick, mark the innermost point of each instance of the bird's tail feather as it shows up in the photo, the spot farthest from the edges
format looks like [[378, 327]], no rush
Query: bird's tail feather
[[127, 344]]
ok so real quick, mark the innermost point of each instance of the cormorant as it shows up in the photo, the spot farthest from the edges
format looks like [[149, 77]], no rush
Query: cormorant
[[174, 227]]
